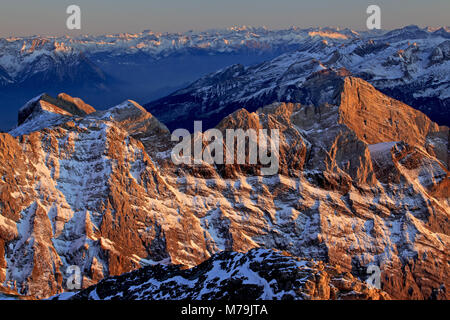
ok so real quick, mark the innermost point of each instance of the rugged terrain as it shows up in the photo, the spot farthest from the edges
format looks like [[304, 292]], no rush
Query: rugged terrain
[[362, 181], [409, 64], [260, 274]]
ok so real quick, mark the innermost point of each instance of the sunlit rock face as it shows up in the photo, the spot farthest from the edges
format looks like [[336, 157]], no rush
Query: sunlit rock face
[[409, 64], [362, 181], [258, 274]]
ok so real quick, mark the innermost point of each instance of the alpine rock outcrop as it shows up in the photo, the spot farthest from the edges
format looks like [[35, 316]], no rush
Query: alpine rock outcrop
[[410, 64], [363, 180], [259, 274]]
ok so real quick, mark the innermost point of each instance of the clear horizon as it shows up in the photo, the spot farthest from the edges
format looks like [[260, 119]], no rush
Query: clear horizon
[[48, 17], [197, 30]]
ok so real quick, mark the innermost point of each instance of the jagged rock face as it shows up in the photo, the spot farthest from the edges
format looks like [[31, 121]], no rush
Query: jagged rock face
[[76, 106], [107, 69], [409, 65], [377, 118], [384, 118], [44, 111], [259, 274], [101, 192], [441, 53], [8, 294], [140, 124], [71, 219], [63, 105]]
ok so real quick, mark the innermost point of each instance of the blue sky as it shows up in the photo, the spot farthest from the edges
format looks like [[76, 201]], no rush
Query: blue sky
[[47, 17]]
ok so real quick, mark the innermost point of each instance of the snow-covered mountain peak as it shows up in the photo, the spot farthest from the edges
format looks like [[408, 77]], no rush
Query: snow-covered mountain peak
[[409, 64], [45, 111], [100, 191], [259, 274]]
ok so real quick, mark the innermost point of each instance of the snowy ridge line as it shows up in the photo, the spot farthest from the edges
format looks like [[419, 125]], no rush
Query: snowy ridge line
[[260, 274], [17, 51]]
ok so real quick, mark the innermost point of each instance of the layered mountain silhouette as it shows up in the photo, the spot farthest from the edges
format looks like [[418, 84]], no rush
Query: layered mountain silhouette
[[363, 180], [410, 64]]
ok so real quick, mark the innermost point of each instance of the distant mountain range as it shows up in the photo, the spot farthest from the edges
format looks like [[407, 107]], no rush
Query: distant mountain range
[[108, 69], [409, 64], [363, 177]]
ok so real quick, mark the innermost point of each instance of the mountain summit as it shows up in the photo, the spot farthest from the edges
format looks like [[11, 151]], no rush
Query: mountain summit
[[363, 180], [410, 65]]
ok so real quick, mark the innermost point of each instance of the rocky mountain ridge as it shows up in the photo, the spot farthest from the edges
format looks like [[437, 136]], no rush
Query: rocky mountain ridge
[[145, 66], [100, 191], [409, 65], [260, 274]]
